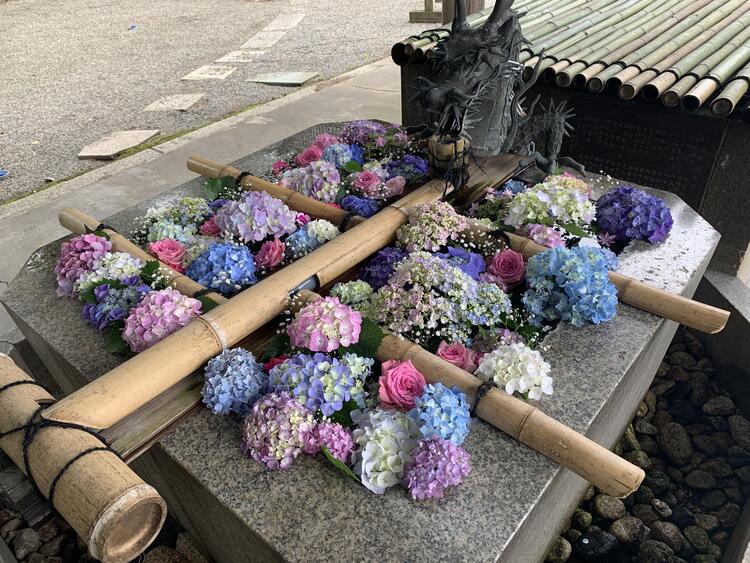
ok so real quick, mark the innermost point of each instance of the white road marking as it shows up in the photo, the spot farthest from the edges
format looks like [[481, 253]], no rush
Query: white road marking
[[210, 72], [284, 22], [177, 102], [239, 57], [263, 40]]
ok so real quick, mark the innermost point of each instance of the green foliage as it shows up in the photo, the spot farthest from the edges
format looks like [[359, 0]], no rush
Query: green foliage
[[575, 230], [343, 416], [207, 303], [99, 233], [150, 275], [340, 465], [278, 346], [353, 166], [222, 188], [370, 338], [113, 341], [88, 295]]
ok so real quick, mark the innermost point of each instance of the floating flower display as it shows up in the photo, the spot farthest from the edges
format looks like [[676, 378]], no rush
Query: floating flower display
[[551, 202], [430, 227], [324, 325], [110, 266], [442, 413], [255, 217], [435, 465]]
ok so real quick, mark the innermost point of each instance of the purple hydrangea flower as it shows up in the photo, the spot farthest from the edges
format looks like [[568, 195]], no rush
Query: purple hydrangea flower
[[436, 465], [362, 131], [631, 214], [78, 256], [469, 263], [114, 303], [410, 166], [377, 271], [333, 437], [255, 217], [358, 155]]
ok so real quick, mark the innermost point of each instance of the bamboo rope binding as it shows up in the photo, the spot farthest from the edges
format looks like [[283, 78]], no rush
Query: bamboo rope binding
[[106, 503]]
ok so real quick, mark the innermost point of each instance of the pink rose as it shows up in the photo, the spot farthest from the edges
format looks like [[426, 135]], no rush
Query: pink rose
[[302, 218], [279, 167], [308, 156], [508, 266], [458, 355], [273, 362], [170, 252], [209, 228], [325, 139], [395, 186], [400, 384], [333, 204], [270, 255], [367, 182]]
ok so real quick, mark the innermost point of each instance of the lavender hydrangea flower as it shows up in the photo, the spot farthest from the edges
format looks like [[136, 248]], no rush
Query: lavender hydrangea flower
[[114, 302], [571, 284], [319, 180], [435, 466], [319, 382], [78, 256], [410, 166], [225, 267], [442, 413], [333, 437], [380, 268], [256, 216], [362, 131], [469, 263], [233, 381], [299, 244], [111, 266], [276, 430], [631, 214], [362, 206]]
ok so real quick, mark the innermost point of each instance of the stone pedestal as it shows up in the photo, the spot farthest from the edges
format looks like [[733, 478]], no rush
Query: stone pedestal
[[511, 505]]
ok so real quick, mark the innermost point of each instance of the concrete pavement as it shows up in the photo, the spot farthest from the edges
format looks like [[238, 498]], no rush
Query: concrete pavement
[[27, 224], [73, 71]]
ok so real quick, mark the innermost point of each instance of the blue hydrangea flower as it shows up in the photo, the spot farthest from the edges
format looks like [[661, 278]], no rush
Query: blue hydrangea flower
[[319, 382], [631, 214], [338, 154], [442, 413], [300, 243], [469, 263], [225, 267], [362, 206], [515, 186], [410, 166], [233, 382], [358, 155], [571, 284]]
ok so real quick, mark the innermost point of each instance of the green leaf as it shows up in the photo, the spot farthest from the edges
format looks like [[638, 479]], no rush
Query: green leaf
[[575, 230], [278, 346], [370, 338], [113, 341], [207, 303], [341, 194], [99, 233], [214, 187], [340, 465], [353, 166], [343, 416], [150, 275]]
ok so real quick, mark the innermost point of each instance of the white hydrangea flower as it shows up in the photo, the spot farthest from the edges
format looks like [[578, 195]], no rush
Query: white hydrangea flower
[[113, 265], [361, 369], [352, 292], [517, 368], [385, 440], [551, 200], [322, 230]]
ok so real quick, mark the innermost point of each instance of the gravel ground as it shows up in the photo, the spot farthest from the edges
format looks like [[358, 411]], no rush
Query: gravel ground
[[73, 71]]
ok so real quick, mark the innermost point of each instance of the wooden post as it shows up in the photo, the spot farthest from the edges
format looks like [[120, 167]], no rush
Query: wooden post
[[428, 15]]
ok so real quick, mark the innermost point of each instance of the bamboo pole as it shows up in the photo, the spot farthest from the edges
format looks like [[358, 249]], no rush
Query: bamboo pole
[[77, 222], [613, 62], [717, 76], [732, 93], [705, 42], [721, 45], [105, 502]]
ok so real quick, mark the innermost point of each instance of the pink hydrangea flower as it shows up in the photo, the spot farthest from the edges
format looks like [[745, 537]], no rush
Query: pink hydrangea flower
[[325, 325], [159, 314], [77, 256], [325, 139], [279, 167], [308, 156], [400, 384], [209, 228], [541, 234], [270, 255], [458, 355], [170, 252], [303, 218], [395, 186], [333, 437]]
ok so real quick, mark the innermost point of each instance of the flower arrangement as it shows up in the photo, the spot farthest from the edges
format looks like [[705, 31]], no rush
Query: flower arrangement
[[224, 267], [110, 266], [551, 202], [571, 284], [255, 217], [325, 325], [630, 214], [113, 300], [430, 226]]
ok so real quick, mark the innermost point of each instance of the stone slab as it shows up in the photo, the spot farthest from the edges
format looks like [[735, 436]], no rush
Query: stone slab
[[507, 509], [263, 40], [284, 22], [177, 102], [114, 143], [210, 72], [284, 78], [239, 57]]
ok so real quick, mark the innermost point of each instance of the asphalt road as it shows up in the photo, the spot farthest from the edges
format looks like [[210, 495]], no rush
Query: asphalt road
[[73, 71]]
